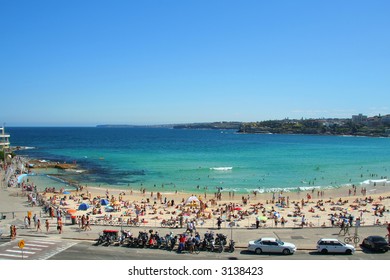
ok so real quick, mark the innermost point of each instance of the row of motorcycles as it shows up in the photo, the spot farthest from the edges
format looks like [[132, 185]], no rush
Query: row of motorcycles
[[184, 242]]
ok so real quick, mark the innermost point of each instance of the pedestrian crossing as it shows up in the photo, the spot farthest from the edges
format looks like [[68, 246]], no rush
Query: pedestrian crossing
[[34, 248]]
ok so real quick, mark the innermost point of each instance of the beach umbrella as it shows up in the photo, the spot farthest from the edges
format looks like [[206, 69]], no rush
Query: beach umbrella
[[104, 202], [83, 206], [238, 208], [66, 192], [192, 200], [71, 211]]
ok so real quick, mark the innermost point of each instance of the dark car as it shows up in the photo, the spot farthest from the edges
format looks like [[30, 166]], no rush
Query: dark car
[[376, 243]]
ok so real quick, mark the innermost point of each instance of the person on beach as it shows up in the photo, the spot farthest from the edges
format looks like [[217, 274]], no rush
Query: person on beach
[[181, 221]]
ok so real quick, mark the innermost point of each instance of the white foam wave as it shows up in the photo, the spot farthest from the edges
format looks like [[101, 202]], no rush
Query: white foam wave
[[75, 170], [221, 168], [369, 182]]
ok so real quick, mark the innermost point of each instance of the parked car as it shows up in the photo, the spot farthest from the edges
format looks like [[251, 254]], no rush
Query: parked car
[[271, 245], [333, 245], [375, 243]]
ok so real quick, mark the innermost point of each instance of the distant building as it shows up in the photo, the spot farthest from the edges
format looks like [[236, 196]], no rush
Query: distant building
[[359, 118], [386, 119], [4, 142]]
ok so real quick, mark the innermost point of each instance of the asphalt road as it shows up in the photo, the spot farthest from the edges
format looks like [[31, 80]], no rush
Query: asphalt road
[[85, 250]]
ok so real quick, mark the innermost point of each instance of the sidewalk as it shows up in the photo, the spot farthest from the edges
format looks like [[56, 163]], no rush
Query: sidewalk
[[303, 238]]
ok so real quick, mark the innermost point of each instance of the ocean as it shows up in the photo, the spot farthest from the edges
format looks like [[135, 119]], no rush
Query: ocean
[[163, 159]]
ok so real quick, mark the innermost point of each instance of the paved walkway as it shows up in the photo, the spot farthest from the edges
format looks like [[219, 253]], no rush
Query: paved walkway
[[303, 238]]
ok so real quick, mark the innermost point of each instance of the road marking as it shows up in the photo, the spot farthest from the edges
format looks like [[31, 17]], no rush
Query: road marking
[[14, 256], [29, 248], [20, 251], [43, 242], [37, 245], [34, 249]]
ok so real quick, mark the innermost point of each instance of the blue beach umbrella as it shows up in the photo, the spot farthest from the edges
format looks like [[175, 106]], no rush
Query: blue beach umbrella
[[66, 192], [83, 206], [104, 202]]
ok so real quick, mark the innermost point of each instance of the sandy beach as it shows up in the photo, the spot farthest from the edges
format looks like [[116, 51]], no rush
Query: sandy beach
[[369, 204]]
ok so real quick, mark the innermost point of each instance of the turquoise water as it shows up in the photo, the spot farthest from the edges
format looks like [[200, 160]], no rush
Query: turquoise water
[[195, 160]]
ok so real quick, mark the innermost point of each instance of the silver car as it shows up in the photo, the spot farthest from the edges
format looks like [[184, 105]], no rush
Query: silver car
[[333, 245], [271, 245]]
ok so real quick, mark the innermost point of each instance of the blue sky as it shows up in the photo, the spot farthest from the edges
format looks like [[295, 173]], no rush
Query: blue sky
[[82, 63]]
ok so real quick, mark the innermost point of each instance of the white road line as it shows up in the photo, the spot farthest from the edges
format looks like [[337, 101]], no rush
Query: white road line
[[28, 248], [63, 248], [15, 256], [20, 251], [37, 245], [42, 242]]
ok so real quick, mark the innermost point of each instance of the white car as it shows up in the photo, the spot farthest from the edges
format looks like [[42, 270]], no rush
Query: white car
[[271, 245], [333, 245]]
